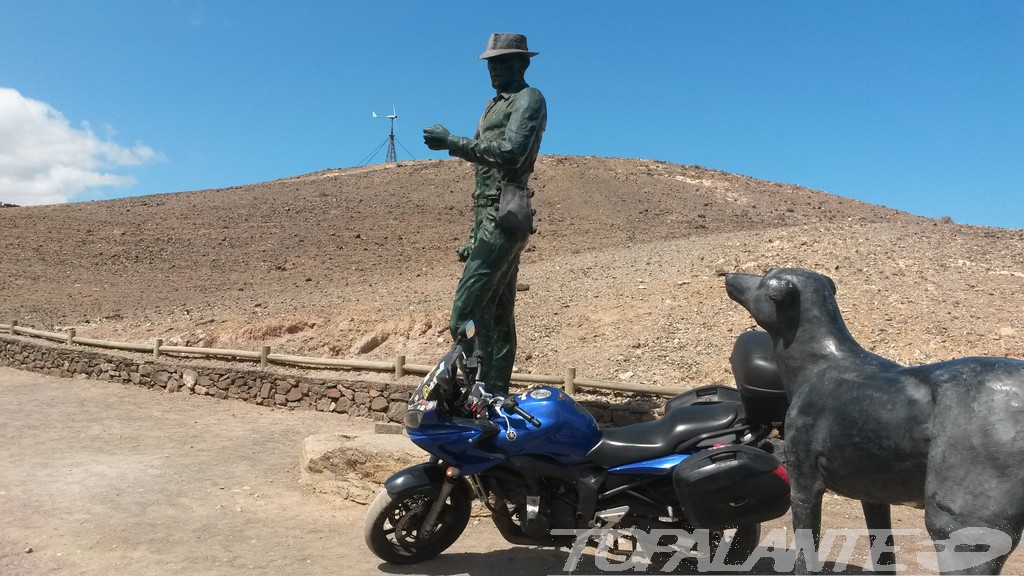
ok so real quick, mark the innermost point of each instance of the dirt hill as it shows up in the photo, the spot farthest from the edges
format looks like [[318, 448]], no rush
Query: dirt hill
[[624, 276]]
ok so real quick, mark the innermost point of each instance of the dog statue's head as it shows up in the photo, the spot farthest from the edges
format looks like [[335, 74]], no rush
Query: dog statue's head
[[784, 298]]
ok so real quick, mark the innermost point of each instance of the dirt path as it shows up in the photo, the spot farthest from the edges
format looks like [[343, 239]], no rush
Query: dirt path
[[97, 478]]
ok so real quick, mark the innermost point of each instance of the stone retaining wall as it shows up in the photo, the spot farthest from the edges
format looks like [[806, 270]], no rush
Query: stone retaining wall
[[376, 400], [381, 401]]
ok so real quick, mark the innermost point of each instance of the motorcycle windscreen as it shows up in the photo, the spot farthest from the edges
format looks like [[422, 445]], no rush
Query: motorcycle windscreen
[[731, 486]]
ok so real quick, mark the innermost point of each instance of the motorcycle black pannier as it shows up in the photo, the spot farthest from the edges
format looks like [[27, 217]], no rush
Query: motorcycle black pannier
[[757, 378], [731, 486]]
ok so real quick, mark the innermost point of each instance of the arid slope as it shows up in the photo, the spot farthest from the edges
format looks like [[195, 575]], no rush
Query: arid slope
[[624, 276]]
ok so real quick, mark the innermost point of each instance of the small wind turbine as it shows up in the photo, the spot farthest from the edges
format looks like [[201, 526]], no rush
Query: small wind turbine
[[391, 156]]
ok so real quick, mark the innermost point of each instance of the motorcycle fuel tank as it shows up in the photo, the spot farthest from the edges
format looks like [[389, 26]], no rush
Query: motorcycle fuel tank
[[567, 430]]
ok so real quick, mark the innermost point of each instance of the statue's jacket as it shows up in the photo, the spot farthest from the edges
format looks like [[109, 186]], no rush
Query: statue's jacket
[[504, 148]]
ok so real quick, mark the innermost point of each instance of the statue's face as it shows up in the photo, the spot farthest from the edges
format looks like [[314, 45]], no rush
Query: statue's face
[[506, 71]]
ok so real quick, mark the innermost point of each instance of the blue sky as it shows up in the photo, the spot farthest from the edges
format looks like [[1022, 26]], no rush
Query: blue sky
[[915, 105]]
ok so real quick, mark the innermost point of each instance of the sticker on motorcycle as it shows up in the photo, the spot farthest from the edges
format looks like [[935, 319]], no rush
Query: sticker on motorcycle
[[428, 382]]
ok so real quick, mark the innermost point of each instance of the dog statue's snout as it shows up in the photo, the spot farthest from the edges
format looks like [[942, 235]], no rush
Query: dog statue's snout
[[738, 286]]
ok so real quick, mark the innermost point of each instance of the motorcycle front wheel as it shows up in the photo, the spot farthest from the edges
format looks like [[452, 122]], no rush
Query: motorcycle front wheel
[[392, 528]]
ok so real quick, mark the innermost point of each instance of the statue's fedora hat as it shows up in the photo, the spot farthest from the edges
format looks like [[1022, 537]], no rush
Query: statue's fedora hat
[[501, 44]]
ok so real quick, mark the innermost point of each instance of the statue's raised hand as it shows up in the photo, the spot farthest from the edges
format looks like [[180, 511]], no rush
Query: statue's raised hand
[[436, 137]]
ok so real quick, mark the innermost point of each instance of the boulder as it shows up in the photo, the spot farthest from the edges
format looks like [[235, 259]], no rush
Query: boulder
[[354, 467]]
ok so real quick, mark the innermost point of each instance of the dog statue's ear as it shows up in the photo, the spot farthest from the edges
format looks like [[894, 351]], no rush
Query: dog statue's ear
[[780, 290]]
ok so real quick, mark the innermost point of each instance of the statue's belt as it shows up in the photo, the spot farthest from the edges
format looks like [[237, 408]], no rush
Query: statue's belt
[[486, 201]]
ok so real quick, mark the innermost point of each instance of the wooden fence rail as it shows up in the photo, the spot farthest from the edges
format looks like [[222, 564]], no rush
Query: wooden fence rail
[[399, 367]]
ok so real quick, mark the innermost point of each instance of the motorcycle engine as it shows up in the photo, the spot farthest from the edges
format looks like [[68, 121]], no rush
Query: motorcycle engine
[[535, 515], [534, 519]]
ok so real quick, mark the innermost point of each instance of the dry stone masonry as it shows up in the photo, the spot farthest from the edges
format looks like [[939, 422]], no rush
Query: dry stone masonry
[[380, 401], [376, 400]]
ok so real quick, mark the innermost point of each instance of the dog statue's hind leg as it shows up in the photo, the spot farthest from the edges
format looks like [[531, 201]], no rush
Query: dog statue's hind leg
[[879, 521], [967, 545], [974, 509], [974, 499]]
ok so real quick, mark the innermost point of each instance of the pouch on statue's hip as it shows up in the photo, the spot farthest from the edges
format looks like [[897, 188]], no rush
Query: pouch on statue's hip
[[514, 211]]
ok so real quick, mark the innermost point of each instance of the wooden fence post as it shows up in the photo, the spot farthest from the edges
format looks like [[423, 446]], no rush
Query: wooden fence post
[[156, 347], [400, 366], [570, 381], [71, 336], [264, 354]]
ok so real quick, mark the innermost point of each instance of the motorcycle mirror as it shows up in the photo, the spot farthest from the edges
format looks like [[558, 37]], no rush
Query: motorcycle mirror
[[469, 329]]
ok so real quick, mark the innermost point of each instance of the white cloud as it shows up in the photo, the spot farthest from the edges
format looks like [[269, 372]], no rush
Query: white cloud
[[43, 160]]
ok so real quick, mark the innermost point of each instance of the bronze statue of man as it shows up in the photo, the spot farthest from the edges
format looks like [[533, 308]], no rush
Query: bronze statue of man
[[504, 150]]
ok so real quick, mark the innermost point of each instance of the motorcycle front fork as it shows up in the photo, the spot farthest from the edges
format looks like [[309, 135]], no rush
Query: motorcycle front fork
[[452, 476]]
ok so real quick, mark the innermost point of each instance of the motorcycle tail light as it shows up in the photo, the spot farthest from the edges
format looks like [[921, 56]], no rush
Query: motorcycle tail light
[[781, 472]]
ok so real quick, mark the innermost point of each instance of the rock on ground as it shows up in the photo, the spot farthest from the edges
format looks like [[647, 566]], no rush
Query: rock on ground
[[353, 467]]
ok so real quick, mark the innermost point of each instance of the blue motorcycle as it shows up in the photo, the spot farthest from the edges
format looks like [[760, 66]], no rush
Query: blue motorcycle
[[539, 462]]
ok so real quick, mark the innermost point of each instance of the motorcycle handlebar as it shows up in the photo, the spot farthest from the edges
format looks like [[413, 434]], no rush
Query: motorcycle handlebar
[[510, 405], [527, 417]]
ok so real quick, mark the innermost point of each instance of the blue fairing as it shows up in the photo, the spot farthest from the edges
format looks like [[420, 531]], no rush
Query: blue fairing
[[457, 444], [655, 467], [567, 430]]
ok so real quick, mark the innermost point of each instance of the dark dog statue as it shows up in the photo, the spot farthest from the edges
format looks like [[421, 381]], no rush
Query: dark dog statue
[[946, 437]]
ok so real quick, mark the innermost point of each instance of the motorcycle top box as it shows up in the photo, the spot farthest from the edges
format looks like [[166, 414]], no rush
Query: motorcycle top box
[[757, 379]]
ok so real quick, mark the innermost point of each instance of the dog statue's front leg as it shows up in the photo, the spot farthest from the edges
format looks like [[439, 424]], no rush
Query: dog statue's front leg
[[806, 509], [806, 490], [879, 521]]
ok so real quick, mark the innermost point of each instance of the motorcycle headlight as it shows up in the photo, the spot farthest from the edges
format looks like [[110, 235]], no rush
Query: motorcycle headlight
[[413, 418]]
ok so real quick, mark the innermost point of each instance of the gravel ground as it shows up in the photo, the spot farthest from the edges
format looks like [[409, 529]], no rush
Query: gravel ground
[[99, 478]]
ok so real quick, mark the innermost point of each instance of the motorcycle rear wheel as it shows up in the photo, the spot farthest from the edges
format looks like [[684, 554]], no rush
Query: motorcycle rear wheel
[[393, 524]]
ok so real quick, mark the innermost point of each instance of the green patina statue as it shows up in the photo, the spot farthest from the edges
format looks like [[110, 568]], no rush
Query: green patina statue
[[504, 150]]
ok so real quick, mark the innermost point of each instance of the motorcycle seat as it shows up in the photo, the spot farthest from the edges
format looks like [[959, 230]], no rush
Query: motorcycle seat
[[648, 440]]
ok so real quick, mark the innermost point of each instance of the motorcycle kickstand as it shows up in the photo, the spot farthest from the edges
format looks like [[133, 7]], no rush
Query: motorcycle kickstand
[[429, 523]]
